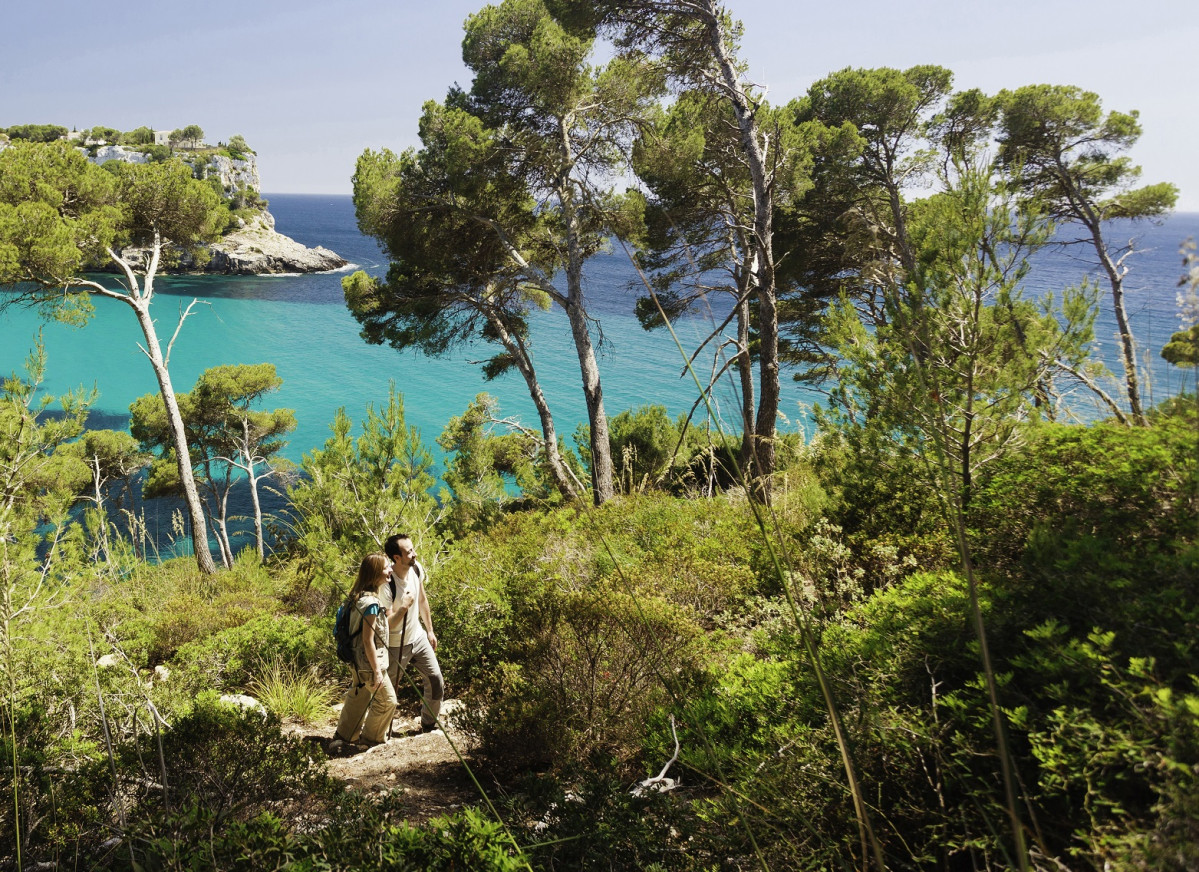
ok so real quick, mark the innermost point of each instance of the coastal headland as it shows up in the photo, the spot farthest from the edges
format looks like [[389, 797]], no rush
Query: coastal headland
[[252, 246]]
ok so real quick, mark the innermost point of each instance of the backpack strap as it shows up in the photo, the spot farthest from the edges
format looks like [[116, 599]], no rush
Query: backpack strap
[[355, 612]]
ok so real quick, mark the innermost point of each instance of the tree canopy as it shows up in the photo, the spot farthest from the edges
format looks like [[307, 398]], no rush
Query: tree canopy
[[512, 185], [1068, 156], [225, 433]]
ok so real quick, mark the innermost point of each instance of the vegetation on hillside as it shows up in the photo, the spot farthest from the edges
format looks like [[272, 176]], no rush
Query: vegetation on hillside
[[575, 637], [952, 630]]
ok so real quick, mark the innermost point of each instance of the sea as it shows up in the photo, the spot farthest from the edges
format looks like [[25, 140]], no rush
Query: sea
[[300, 324]]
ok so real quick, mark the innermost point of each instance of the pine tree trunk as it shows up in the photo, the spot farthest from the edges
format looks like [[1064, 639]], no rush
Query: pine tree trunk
[[549, 436], [601, 449], [593, 393], [745, 373], [763, 277], [1128, 347], [187, 478], [259, 542]]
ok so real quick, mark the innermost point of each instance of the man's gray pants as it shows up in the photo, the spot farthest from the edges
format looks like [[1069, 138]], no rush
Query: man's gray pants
[[424, 659]]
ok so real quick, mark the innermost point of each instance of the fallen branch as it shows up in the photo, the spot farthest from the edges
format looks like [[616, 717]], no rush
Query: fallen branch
[[660, 782]]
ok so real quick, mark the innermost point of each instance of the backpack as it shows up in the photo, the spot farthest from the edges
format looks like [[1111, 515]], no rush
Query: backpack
[[342, 636]]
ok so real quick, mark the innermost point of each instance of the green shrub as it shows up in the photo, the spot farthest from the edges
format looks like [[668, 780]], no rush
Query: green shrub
[[700, 556], [156, 153], [227, 760], [229, 658], [1116, 748], [643, 443], [59, 796], [588, 820], [878, 493], [593, 671], [215, 764], [1132, 491]]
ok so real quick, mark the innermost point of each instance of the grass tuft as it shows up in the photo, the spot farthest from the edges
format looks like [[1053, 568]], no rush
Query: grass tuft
[[292, 692]]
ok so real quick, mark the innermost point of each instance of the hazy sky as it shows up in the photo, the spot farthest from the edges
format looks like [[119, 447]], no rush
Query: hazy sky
[[311, 84]]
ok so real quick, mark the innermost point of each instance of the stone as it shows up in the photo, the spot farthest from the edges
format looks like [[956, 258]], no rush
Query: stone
[[242, 701], [105, 153], [253, 249], [257, 248]]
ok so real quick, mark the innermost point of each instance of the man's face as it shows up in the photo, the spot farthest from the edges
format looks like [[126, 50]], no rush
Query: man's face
[[406, 556]]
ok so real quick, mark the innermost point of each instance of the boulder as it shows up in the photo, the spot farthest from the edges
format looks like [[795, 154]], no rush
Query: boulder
[[240, 700]]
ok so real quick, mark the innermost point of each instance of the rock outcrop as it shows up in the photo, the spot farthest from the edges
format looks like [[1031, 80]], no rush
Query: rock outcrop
[[258, 248], [255, 248], [105, 153], [233, 173]]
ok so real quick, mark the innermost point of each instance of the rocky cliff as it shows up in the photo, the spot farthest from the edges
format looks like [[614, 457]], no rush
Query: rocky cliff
[[233, 174], [258, 248], [255, 247]]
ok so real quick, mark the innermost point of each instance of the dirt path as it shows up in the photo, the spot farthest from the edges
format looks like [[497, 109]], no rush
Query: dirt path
[[424, 766]]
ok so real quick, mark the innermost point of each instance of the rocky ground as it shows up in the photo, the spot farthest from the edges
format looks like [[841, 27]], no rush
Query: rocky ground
[[424, 766]]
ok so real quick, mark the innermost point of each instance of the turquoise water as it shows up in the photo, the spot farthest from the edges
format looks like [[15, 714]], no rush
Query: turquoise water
[[300, 324]]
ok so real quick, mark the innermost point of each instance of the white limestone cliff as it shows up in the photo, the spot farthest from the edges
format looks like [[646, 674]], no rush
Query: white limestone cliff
[[257, 248]]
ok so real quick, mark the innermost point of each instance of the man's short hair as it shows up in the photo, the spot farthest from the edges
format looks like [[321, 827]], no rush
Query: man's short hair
[[392, 546]]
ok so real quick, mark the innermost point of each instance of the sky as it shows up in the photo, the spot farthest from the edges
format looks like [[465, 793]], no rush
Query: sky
[[310, 85]]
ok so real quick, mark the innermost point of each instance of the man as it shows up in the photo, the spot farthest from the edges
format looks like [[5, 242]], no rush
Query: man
[[409, 642]]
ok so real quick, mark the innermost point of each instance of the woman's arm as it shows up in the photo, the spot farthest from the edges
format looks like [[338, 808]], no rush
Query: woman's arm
[[368, 649]]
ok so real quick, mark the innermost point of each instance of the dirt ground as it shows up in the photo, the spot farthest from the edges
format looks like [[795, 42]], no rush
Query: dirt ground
[[424, 766]]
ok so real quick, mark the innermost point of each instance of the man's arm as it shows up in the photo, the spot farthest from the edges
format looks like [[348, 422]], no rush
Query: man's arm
[[424, 613]]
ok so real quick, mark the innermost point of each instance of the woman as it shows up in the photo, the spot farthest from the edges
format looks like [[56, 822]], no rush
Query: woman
[[371, 689]]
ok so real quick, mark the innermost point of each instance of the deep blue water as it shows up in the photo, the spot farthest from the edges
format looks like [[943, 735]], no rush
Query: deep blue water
[[300, 324]]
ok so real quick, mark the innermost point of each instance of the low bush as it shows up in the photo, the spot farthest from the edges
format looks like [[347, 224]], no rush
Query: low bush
[[1132, 491], [567, 633], [216, 765], [590, 677], [231, 657], [589, 820]]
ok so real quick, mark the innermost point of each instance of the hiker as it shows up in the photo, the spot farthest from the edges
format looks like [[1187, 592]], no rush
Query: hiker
[[371, 689], [409, 641]]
